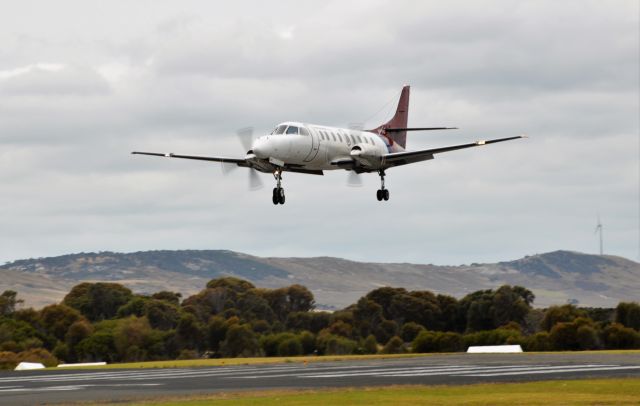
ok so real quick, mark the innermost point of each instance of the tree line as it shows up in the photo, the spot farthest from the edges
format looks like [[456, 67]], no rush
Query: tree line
[[233, 318]]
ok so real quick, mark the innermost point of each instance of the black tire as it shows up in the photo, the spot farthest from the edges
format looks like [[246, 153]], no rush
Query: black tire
[[379, 195], [275, 199], [282, 199], [386, 194]]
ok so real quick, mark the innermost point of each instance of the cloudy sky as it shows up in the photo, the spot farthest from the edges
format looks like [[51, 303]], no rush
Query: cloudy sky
[[83, 83]]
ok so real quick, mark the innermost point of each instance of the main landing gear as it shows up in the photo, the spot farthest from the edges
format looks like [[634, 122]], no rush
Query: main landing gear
[[382, 193], [278, 191]]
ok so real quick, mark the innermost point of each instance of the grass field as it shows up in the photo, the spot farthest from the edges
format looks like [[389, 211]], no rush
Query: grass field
[[572, 392], [326, 358]]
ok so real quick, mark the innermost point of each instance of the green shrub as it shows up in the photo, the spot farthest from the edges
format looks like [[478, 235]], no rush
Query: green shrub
[[616, 336], [394, 346], [538, 342], [370, 345], [437, 341], [500, 336], [290, 347]]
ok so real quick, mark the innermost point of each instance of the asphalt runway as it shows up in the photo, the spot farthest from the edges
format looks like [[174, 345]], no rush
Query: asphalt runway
[[47, 387]]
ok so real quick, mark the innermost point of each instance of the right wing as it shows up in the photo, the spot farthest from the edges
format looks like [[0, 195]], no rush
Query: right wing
[[239, 162], [409, 157]]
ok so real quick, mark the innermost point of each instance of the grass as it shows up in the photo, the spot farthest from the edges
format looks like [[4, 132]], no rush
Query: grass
[[307, 359], [567, 392]]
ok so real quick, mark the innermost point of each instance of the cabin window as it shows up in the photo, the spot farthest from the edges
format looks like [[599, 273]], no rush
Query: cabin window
[[353, 139], [280, 129], [333, 136], [292, 130], [340, 137], [359, 139], [303, 131]]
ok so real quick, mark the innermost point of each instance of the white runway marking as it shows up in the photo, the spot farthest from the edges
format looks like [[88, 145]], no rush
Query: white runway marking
[[606, 368], [69, 387], [133, 378]]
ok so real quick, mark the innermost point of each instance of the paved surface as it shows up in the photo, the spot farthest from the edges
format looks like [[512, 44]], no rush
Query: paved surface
[[44, 387]]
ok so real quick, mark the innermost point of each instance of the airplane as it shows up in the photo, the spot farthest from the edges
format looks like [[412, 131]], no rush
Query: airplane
[[312, 149]]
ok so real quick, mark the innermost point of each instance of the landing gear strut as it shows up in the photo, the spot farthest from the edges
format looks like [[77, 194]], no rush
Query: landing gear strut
[[278, 191], [382, 193]]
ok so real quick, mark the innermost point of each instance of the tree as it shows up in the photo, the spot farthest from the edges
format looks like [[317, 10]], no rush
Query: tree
[[190, 332], [99, 346], [450, 317], [254, 307], [216, 332], [57, 319], [300, 299], [134, 307], [395, 345], [617, 336], [510, 304], [367, 315], [628, 314], [370, 345], [169, 297], [563, 336], [8, 302], [410, 331], [384, 296], [78, 331], [290, 347], [386, 330], [98, 301], [131, 338], [557, 314], [230, 283], [240, 341], [437, 341], [162, 314], [308, 341]]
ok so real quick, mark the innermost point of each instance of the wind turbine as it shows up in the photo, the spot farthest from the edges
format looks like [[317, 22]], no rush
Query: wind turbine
[[599, 229]]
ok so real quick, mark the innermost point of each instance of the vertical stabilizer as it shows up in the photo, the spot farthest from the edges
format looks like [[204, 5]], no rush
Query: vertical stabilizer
[[399, 120]]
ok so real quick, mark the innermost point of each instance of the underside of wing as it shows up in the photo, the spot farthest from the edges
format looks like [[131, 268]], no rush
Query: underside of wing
[[409, 157]]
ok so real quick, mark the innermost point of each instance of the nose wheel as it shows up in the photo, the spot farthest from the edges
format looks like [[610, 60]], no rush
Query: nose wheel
[[278, 191], [382, 193]]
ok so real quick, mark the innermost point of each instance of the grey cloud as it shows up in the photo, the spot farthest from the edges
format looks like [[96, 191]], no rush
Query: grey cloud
[[183, 78]]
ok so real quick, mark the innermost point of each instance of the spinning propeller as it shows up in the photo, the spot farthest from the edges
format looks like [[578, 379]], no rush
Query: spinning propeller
[[245, 135]]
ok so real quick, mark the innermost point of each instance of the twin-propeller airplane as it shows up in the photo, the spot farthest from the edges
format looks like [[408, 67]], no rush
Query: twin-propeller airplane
[[312, 149]]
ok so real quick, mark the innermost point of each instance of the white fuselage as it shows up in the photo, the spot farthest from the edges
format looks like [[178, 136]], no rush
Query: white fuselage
[[316, 147]]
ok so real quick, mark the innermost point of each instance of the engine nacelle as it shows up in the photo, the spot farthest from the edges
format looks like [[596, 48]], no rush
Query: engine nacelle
[[366, 155]]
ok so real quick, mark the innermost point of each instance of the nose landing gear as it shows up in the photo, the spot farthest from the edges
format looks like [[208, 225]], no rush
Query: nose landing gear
[[382, 193], [278, 191]]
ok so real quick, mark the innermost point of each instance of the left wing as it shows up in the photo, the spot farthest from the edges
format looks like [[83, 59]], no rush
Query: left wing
[[239, 162], [409, 157]]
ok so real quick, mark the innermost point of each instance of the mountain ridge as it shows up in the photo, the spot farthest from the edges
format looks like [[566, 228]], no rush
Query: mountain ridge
[[555, 277]]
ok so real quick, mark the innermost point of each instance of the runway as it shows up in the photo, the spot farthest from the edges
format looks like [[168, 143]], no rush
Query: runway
[[46, 387]]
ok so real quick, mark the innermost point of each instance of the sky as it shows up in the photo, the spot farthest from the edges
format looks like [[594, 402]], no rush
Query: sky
[[84, 83]]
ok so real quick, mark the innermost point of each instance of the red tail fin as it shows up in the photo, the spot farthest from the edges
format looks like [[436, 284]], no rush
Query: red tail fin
[[399, 120]]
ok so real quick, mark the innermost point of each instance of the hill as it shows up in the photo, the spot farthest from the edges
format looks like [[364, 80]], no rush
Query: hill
[[555, 277]]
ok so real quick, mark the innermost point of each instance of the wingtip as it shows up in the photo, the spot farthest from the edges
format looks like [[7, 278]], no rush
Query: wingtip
[[524, 136]]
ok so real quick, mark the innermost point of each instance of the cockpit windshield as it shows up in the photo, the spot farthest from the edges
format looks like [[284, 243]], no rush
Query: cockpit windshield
[[292, 130], [279, 129]]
